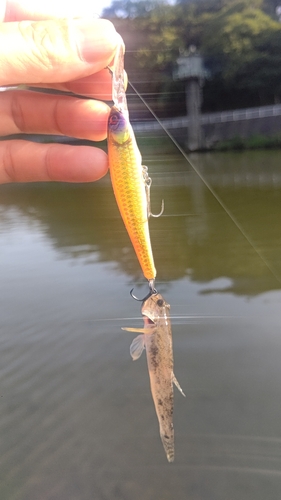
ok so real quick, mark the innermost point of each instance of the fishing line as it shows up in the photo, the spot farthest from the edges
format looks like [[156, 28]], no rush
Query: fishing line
[[173, 316], [209, 187], [177, 320]]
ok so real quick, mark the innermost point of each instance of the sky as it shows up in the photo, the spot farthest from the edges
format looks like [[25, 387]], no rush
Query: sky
[[101, 4]]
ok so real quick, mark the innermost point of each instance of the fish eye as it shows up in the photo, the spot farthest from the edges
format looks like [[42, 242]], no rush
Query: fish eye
[[160, 302]]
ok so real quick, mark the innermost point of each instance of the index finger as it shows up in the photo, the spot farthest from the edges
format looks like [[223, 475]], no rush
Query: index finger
[[55, 51], [36, 10]]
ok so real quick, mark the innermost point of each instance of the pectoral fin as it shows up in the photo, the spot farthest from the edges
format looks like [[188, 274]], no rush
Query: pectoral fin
[[139, 330], [136, 347], [178, 385], [148, 330]]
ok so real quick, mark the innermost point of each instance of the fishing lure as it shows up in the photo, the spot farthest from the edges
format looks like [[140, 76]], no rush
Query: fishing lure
[[130, 180]]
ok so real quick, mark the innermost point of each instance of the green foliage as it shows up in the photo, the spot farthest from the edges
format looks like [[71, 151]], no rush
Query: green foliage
[[247, 44], [235, 35]]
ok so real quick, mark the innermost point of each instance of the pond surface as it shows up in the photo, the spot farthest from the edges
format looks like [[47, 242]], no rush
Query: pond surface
[[76, 415]]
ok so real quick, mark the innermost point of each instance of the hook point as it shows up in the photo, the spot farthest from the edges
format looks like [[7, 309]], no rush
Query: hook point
[[160, 213], [152, 291]]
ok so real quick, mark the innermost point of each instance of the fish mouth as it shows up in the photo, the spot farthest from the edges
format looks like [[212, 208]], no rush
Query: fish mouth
[[147, 318]]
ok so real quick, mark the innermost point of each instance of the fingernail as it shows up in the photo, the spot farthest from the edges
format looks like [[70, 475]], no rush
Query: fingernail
[[96, 39]]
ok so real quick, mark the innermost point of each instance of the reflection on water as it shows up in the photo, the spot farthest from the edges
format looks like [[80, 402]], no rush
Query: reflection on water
[[76, 414], [194, 238]]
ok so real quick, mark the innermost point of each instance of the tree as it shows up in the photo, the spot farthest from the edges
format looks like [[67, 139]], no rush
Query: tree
[[240, 41], [246, 44], [130, 8]]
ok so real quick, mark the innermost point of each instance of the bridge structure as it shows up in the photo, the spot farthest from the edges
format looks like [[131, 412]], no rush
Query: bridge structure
[[264, 120]]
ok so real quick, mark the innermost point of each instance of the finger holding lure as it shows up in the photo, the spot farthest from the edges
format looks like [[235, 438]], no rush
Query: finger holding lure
[[130, 180]]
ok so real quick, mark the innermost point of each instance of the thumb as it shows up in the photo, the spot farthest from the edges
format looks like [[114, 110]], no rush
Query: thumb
[[54, 51]]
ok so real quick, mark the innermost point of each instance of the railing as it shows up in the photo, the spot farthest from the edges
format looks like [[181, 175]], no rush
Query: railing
[[210, 118]]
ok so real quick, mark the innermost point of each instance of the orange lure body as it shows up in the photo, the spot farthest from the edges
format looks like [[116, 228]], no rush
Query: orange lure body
[[128, 181]]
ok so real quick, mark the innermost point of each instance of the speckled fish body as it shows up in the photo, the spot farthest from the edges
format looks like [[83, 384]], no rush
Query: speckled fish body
[[126, 172], [156, 338]]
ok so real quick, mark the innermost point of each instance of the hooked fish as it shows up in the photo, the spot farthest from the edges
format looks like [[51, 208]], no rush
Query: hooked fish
[[156, 338]]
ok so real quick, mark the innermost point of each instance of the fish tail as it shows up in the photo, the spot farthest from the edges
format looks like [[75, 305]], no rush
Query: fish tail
[[168, 444]]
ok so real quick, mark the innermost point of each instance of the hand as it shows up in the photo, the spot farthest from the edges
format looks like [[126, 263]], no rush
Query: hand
[[39, 47]]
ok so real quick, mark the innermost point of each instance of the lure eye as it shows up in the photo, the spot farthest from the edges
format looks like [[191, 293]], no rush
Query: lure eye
[[114, 121], [160, 302]]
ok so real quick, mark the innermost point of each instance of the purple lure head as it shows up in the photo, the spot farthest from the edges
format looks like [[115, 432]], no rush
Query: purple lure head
[[118, 126]]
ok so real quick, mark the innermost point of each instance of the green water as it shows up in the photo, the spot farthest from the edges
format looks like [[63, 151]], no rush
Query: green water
[[76, 417]]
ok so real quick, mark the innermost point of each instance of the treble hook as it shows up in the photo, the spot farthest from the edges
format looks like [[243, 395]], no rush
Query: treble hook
[[152, 291], [160, 213], [148, 182]]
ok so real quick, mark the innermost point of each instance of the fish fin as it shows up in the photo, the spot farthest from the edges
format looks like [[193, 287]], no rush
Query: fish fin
[[136, 347], [178, 385], [139, 330], [148, 331]]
